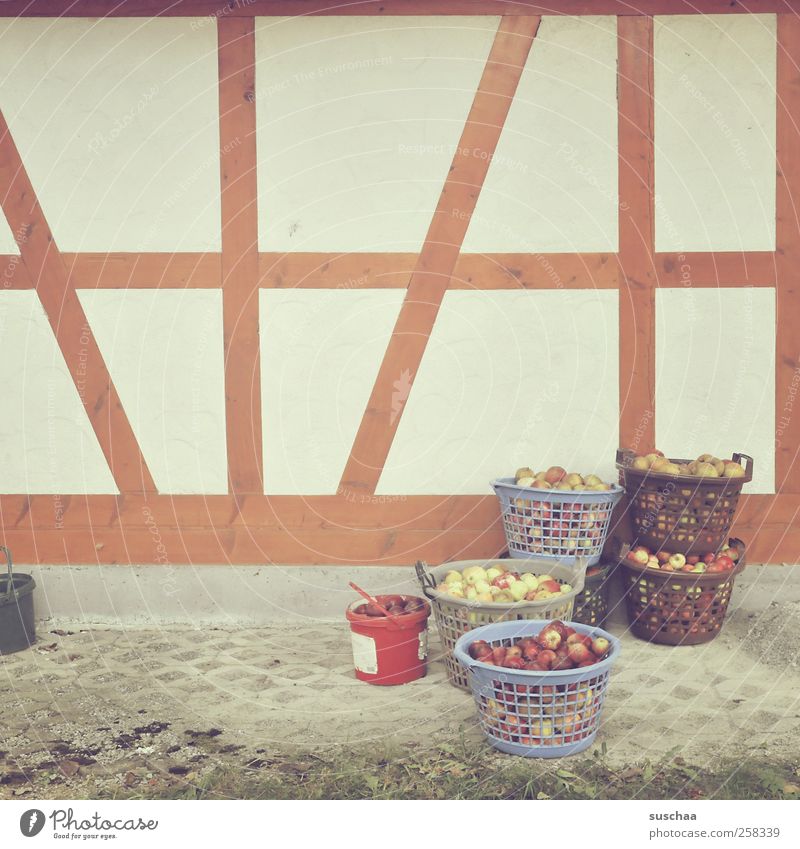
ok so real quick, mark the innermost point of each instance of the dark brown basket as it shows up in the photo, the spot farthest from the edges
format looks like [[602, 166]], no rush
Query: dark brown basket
[[680, 513], [677, 608], [591, 603]]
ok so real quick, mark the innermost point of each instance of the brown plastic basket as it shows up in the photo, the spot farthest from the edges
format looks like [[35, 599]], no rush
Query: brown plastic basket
[[456, 616], [591, 603], [677, 608], [680, 513]]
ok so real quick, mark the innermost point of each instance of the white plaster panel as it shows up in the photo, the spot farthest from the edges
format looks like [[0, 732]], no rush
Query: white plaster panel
[[715, 375], [46, 440], [320, 355], [510, 379], [715, 132], [358, 121], [164, 351], [117, 123], [7, 243], [552, 185]]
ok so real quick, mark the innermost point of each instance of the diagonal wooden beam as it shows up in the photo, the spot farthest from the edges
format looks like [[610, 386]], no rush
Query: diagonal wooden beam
[[437, 259], [48, 272], [637, 292], [240, 284]]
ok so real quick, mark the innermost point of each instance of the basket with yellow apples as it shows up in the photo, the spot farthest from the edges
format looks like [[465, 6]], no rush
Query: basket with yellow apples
[[679, 599], [556, 515], [684, 506], [469, 593], [539, 686]]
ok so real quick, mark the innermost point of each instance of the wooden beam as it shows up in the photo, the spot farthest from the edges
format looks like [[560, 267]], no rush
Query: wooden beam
[[299, 529], [636, 234], [144, 271], [237, 126], [713, 270], [439, 254], [247, 8], [787, 258], [46, 269]]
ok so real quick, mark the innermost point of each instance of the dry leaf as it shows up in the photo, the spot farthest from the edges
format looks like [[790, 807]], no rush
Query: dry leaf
[[69, 768]]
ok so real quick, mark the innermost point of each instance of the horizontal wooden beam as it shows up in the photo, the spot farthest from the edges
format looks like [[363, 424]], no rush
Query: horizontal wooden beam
[[332, 270], [237, 8], [704, 270], [195, 529]]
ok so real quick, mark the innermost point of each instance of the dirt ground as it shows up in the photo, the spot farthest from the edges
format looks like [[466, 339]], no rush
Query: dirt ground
[[90, 708]]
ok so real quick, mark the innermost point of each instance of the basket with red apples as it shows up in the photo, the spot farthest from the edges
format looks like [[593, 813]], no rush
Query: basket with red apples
[[539, 686], [556, 514], [470, 593], [679, 599], [680, 505]]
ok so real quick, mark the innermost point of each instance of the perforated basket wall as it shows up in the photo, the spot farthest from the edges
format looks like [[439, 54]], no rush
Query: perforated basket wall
[[591, 603], [680, 513], [677, 608], [536, 714], [455, 617], [554, 524]]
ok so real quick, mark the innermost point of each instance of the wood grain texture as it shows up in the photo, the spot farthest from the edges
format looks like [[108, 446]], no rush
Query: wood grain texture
[[144, 271], [636, 235], [238, 8], [439, 254], [712, 270], [237, 125], [296, 529], [46, 269], [787, 258]]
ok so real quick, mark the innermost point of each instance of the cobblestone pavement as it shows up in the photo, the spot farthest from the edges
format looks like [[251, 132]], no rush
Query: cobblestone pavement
[[135, 705]]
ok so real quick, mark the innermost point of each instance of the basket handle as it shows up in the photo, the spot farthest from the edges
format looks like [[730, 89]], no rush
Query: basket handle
[[425, 580], [748, 469], [624, 457], [10, 587]]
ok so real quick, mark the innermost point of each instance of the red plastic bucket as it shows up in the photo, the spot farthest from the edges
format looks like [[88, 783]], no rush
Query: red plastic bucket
[[387, 651]]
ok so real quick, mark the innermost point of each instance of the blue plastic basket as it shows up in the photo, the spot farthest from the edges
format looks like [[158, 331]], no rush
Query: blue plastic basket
[[555, 524], [536, 714]]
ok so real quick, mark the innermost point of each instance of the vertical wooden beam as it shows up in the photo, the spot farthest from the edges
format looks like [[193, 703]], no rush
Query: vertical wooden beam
[[48, 272], [431, 276], [636, 234], [787, 258], [237, 127]]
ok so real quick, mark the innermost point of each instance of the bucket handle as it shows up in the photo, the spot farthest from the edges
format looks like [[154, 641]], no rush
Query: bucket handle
[[10, 587], [426, 581]]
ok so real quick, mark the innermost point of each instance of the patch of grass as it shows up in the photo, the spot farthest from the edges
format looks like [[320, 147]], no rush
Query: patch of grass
[[461, 771]]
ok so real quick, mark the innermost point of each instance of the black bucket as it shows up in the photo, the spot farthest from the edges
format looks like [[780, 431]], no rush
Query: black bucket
[[17, 628]]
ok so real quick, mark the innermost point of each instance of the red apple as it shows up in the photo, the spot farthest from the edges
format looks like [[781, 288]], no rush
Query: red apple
[[546, 658], [600, 645], [639, 555], [498, 655], [513, 651], [563, 662], [554, 474], [479, 647], [710, 557], [578, 652], [693, 559], [531, 651], [725, 561], [514, 663], [549, 638]]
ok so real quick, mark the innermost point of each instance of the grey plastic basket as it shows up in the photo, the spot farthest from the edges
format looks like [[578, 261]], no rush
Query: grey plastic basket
[[455, 616]]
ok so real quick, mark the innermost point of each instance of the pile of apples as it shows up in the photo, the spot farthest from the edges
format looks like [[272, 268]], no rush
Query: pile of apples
[[723, 561], [556, 477], [556, 647], [705, 466], [498, 584], [396, 606], [540, 716]]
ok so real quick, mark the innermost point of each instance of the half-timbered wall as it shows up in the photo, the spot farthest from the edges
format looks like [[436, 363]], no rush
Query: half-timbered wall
[[283, 288]]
